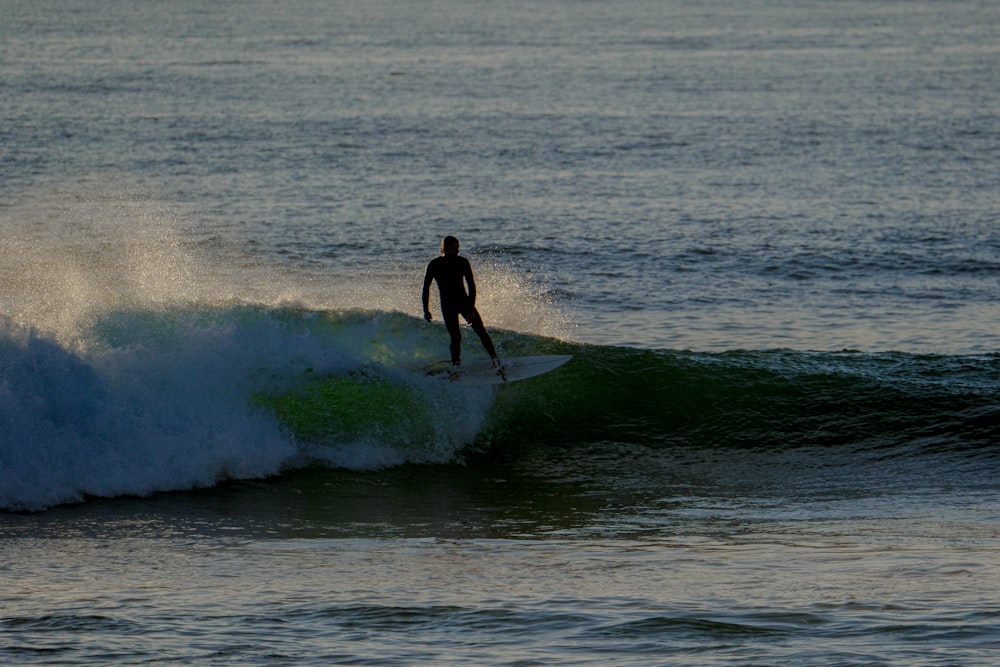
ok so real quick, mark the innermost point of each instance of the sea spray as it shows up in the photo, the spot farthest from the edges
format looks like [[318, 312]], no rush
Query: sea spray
[[134, 345]]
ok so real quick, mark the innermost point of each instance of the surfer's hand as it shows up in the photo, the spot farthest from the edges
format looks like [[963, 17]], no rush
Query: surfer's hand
[[427, 315]]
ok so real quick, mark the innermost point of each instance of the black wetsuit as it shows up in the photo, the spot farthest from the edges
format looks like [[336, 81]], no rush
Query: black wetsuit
[[452, 273]]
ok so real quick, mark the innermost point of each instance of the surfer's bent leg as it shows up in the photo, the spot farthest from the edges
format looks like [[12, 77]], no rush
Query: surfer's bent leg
[[476, 321], [455, 331]]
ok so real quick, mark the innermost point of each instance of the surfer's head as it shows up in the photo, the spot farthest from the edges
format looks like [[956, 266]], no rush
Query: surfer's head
[[449, 246]]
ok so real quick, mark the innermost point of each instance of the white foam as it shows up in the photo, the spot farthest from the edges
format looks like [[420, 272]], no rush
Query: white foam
[[126, 421], [153, 400]]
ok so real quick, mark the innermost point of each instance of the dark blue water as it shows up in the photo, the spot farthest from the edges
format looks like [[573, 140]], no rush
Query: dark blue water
[[766, 231]]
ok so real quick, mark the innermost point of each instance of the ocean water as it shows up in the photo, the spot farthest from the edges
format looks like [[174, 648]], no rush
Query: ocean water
[[768, 232]]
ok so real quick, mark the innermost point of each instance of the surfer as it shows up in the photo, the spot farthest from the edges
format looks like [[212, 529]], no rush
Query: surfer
[[452, 273]]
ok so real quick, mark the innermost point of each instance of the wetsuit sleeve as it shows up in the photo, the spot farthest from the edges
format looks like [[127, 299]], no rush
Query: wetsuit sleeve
[[471, 282], [425, 295]]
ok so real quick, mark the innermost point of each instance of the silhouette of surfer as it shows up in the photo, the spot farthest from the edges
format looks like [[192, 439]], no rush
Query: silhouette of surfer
[[452, 273]]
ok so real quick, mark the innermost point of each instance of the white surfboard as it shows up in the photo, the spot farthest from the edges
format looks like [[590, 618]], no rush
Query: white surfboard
[[482, 371]]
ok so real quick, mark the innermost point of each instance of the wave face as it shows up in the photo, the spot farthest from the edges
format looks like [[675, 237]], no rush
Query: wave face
[[146, 400], [778, 398]]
